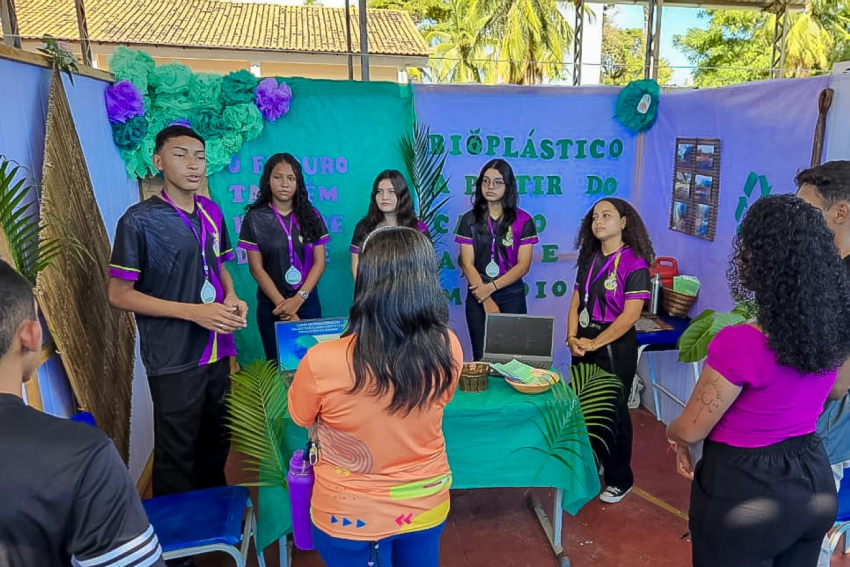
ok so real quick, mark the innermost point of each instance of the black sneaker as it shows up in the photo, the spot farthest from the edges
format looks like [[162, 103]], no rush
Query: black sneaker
[[612, 494]]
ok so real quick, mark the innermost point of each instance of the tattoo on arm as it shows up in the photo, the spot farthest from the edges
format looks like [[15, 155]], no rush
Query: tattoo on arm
[[708, 396]]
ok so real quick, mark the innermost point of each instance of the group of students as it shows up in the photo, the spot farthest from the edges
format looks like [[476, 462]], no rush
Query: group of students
[[763, 493]]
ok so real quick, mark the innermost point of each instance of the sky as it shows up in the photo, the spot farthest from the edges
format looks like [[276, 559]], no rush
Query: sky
[[673, 21]]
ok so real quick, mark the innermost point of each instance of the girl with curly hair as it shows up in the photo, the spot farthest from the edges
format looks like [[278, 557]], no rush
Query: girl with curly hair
[[496, 241], [285, 238], [612, 285], [390, 205], [763, 493]]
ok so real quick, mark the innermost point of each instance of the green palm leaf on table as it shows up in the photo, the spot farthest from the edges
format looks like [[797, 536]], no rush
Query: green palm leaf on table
[[426, 175], [594, 393], [257, 408]]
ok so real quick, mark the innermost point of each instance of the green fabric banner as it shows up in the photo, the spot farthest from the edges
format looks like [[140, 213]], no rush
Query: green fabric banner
[[344, 133]]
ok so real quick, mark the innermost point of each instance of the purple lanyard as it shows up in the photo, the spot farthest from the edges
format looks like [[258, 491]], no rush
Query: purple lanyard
[[615, 259], [493, 232], [288, 231], [202, 238]]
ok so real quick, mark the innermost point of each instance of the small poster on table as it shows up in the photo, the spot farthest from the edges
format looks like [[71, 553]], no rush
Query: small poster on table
[[295, 338]]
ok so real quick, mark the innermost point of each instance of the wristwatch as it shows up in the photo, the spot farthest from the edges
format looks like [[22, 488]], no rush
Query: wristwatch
[[303, 295]]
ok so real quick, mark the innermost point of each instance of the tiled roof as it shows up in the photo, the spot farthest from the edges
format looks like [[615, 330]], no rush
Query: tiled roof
[[221, 24]]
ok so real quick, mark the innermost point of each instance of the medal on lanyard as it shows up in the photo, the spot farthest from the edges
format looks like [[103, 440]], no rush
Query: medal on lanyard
[[492, 269], [208, 292], [610, 284], [293, 274]]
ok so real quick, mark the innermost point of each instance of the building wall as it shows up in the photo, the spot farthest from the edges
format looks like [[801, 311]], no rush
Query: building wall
[[327, 71]]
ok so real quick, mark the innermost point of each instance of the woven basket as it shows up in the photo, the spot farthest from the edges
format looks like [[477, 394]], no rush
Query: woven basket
[[474, 377], [536, 388], [676, 304]]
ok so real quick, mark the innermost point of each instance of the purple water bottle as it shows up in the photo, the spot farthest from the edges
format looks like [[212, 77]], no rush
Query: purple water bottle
[[300, 479]]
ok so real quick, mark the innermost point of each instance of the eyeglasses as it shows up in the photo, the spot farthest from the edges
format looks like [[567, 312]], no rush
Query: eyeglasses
[[493, 182]]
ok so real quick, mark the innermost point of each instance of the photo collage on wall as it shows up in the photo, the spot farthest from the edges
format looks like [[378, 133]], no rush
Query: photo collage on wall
[[696, 187]]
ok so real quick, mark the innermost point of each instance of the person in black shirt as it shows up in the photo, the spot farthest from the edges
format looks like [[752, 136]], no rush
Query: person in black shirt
[[389, 205], [285, 238], [612, 286], [65, 493], [187, 310], [496, 245]]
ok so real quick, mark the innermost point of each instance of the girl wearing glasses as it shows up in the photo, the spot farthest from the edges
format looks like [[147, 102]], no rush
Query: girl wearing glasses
[[496, 240]]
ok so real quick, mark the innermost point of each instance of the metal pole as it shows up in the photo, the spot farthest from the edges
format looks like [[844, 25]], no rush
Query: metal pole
[[364, 43], [650, 14], [348, 40], [778, 49], [83, 28], [577, 43], [11, 33], [656, 39], [784, 39]]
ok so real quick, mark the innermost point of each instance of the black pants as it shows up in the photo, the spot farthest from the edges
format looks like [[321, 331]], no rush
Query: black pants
[[310, 309], [191, 441], [765, 507], [614, 449], [510, 300]]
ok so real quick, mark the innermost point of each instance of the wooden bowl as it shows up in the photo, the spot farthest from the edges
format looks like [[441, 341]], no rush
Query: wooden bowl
[[535, 388], [474, 377]]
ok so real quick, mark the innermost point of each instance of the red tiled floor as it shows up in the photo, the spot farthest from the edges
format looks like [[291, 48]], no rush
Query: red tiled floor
[[495, 527]]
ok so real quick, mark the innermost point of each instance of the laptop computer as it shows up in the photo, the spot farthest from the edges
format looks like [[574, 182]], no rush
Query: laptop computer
[[526, 338]]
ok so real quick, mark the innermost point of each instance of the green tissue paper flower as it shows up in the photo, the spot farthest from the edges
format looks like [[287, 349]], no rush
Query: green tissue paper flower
[[637, 105], [218, 157], [139, 162], [244, 118], [209, 123], [170, 79], [128, 135], [205, 90], [132, 65], [238, 88]]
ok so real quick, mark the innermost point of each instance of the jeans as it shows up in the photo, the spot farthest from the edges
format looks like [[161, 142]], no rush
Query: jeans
[[510, 299], [266, 319]]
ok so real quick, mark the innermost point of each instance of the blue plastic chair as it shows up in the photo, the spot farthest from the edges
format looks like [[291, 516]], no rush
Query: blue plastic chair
[[842, 521], [202, 521]]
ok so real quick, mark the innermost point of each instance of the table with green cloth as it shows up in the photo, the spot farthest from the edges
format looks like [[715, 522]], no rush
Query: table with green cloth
[[488, 439]]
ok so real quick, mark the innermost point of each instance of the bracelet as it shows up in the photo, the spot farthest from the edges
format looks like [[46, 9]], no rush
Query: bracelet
[[571, 337], [495, 286]]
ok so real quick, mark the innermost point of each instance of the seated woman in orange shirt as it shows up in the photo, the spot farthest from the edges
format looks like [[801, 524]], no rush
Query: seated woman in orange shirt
[[377, 396]]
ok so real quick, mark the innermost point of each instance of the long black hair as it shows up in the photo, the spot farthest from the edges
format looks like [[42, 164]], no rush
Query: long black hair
[[510, 200], [305, 214], [400, 319], [635, 235], [405, 215], [785, 260]]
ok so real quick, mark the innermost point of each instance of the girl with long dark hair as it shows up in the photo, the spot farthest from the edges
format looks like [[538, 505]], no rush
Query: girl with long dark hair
[[285, 238], [377, 397], [496, 242], [763, 491], [612, 285], [390, 205]]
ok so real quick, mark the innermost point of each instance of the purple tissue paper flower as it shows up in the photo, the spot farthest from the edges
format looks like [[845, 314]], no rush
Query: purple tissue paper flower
[[181, 122], [272, 99], [124, 101]]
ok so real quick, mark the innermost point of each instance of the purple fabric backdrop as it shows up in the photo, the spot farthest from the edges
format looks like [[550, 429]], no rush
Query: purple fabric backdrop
[[766, 128]]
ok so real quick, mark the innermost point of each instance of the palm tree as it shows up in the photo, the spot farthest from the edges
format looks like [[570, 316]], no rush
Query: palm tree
[[815, 36], [533, 36], [460, 47]]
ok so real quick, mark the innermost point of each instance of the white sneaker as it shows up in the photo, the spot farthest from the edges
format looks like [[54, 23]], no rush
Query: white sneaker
[[612, 494]]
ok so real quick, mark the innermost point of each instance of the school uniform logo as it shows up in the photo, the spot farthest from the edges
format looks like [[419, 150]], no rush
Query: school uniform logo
[[508, 240]]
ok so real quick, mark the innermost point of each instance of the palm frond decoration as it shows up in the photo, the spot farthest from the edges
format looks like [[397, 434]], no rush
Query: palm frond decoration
[[30, 252], [425, 169], [257, 407], [576, 413]]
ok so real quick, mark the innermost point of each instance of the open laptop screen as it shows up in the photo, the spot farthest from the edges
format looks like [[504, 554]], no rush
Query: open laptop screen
[[519, 335]]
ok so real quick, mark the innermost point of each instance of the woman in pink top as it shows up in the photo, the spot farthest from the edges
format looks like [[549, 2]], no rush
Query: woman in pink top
[[762, 494]]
